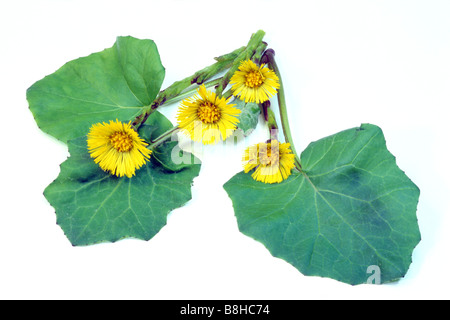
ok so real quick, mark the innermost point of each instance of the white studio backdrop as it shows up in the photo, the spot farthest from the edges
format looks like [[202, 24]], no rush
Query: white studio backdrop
[[343, 63]]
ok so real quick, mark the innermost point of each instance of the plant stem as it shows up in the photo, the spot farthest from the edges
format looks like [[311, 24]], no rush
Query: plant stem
[[230, 61], [254, 47], [256, 58], [162, 138], [222, 63], [191, 92], [272, 124], [269, 58]]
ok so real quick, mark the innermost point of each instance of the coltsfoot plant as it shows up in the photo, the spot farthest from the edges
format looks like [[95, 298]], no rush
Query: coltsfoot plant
[[338, 209]]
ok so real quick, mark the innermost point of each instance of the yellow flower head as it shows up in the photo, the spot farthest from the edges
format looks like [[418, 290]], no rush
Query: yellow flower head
[[206, 117], [273, 161], [254, 84], [117, 148]]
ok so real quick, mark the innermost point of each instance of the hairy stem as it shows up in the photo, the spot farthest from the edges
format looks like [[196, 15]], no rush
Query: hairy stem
[[163, 138], [222, 63], [191, 92], [272, 124], [269, 58], [254, 47]]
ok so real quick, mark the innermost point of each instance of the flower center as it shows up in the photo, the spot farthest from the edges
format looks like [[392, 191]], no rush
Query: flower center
[[209, 113], [121, 141], [254, 79], [268, 158]]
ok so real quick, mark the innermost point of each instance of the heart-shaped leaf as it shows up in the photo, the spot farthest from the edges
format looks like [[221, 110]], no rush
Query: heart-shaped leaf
[[93, 206], [113, 84], [249, 116], [350, 211]]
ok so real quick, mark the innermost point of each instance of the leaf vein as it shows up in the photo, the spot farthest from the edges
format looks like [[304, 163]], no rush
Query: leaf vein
[[97, 210]]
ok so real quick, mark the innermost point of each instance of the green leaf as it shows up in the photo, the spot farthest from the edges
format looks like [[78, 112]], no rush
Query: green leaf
[[169, 155], [173, 158], [352, 209], [115, 83], [92, 206], [156, 125], [249, 116]]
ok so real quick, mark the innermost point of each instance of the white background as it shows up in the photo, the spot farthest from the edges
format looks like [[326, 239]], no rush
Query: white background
[[343, 63]]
